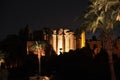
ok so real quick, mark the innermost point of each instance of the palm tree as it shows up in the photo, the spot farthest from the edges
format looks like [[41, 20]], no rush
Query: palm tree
[[103, 14], [38, 48]]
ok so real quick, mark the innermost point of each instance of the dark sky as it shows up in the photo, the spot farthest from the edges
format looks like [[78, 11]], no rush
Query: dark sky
[[15, 14]]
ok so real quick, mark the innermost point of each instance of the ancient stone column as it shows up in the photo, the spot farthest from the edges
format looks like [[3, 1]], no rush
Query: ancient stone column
[[67, 46], [72, 42], [54, 40], [60, 41]]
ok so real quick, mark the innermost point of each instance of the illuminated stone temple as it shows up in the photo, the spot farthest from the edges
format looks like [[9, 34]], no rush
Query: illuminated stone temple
[[64, 40]]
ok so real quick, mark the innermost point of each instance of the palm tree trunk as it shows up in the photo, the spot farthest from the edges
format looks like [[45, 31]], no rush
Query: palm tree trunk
[[108, 43], [39, 64], [113, 77]]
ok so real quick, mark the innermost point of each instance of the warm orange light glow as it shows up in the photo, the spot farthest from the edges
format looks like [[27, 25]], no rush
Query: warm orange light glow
[[67, 44], [82, 39], [39, 51], [54, 37], [36, 50], [72, 42], [66, 32], [1, 61], [63, 40], [118, 18], [60, 43]]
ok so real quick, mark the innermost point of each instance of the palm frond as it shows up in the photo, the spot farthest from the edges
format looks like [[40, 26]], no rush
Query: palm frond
[[101, 14], [111, 3]]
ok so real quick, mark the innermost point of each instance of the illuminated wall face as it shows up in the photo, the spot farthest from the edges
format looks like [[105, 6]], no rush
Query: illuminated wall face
[[82, 39]]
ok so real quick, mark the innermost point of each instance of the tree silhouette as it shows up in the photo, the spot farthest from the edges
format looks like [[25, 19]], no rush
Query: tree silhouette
[[102, 14]]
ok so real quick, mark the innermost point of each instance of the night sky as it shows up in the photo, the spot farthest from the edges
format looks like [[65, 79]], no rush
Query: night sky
[[16, 14]]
